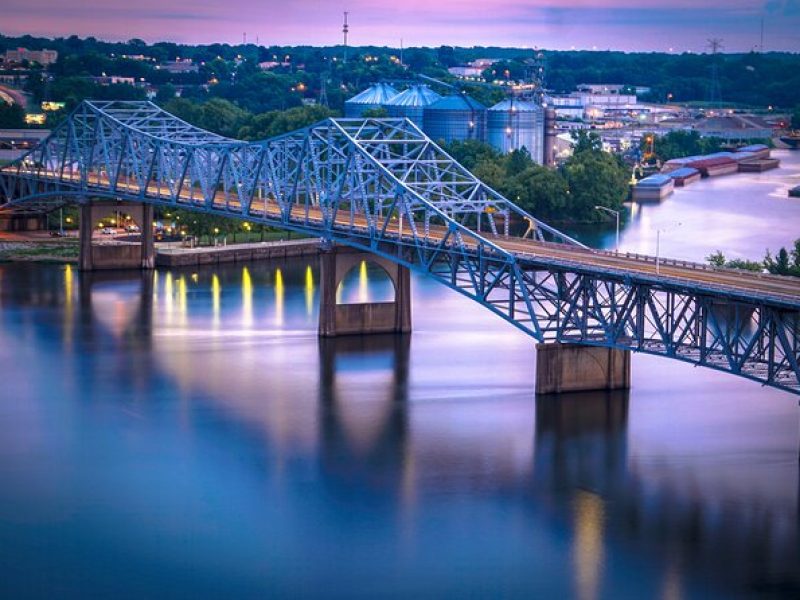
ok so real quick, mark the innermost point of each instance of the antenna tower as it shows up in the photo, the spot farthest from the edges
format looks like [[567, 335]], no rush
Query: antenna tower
[[345, 31], [714, 89]]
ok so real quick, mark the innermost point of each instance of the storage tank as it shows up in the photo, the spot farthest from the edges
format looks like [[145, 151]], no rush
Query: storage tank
[[550, 134], [411, 103], [375, 96], [456, 117], [514, 124]]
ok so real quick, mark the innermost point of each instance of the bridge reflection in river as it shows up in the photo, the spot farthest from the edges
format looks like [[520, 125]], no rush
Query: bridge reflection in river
[[190, 430]]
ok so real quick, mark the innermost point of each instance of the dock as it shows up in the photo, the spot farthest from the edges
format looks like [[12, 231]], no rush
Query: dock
[[176, 256]]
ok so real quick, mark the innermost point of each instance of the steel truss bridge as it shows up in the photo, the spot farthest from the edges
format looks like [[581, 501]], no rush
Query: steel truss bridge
[[380, 185]]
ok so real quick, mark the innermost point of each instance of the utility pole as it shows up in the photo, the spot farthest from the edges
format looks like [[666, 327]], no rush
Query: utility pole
[[345, 31], [714, 91]]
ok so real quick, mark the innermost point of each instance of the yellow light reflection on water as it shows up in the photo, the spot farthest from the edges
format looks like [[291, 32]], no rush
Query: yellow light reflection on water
[[169, 306], [363, 283], [309, 291], [279, 294], [69, 284], [182, 303], [247, 298], [216, 296], [587, 553]]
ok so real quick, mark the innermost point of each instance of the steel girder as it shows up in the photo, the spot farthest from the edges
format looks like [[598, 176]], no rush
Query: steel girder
[[382, 186]]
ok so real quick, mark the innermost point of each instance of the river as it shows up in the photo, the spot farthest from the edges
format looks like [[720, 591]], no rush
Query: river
[[189, 435]]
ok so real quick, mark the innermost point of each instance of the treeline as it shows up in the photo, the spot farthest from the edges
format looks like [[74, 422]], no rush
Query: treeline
[[757, 79], [785, 262], [569, 194]]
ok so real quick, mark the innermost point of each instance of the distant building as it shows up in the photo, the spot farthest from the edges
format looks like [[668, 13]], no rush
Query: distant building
[[16, 142], [113, 80], [178, 66], [466, 71], [43, 57], [473, 69]]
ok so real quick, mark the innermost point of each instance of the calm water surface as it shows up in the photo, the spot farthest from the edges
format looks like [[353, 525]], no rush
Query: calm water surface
[[189, 435]]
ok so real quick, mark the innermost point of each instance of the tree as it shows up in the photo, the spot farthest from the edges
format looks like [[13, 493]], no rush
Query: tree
[[276, 122], [586, 141], [544, 191], [595, 178], [12, 116], [375, 113]]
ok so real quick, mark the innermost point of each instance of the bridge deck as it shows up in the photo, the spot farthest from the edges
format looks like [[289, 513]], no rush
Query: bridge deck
[[786, 289]]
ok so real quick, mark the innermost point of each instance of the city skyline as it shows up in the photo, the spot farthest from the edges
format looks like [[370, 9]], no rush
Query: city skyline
[[677, 26]]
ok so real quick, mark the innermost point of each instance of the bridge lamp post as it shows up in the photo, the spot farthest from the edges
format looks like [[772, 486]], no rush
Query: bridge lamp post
[[658, 247], [616, 216]]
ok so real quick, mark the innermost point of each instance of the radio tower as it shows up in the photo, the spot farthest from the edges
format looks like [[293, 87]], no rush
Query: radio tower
[[714, 90], [345, 31]]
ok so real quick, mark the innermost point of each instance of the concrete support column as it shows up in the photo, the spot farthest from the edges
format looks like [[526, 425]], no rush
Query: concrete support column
[[85, 262], [148, 240], [574, 368], [366, 318], [116, 255]]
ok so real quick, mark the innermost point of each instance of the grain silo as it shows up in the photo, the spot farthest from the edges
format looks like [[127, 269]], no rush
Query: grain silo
[[456, 117], [514, 124], [411, 103], [373, 97]]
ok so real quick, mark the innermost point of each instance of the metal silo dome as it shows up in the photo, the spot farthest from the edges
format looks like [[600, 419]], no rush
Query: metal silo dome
[[375, 96], [456, 117], [411, 103], [514, 124]]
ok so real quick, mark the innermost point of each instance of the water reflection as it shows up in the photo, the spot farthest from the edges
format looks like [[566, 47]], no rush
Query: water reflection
[[251, 451]]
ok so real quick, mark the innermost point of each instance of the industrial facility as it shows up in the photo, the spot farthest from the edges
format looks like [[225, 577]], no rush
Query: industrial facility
[[511, 124]]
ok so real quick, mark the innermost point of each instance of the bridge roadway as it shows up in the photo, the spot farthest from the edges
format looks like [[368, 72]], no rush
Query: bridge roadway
[[758, 285]]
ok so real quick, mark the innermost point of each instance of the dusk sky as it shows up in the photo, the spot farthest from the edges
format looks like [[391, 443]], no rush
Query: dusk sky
[[617, 24]]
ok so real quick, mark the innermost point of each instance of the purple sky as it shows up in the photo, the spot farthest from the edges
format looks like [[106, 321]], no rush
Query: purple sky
[[618, 24]]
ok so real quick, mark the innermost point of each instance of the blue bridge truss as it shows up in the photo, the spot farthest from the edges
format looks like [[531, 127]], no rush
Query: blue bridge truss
[[382, 186]]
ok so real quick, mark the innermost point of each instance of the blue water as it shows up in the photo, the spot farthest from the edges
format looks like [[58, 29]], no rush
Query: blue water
[[188, 435]]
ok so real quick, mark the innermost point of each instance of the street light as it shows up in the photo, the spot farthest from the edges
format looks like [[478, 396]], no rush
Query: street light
[[616, 216], [658, 246]]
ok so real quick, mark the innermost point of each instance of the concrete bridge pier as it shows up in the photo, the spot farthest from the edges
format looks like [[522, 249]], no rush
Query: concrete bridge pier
[[364, 318], [120, 255], [575, 368]]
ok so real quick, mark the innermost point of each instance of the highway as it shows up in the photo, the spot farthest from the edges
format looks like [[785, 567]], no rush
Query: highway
[[787, 288]]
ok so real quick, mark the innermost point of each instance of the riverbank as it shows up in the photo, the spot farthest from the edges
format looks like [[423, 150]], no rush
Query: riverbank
[[39, 251], [177, 256], [35, 247]]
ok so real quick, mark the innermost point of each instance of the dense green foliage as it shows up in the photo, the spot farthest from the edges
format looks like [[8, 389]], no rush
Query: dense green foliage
[[785, 262], [679, 143], [589, 178], [12, 116], [753, 78]]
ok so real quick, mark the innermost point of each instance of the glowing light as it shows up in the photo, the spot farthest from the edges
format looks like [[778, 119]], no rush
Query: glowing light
[[169, 307], [247, 298], [363, 283], [216, 295], [182, 304], [309, 291], [279, 295]]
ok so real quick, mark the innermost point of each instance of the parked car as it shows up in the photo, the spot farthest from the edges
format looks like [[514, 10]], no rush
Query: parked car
[[108, 231], [132, 229]]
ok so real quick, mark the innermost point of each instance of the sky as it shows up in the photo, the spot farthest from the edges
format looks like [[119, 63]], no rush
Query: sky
[[659, 25]]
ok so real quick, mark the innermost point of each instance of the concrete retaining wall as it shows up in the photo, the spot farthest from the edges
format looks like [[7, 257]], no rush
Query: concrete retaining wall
[[186, 257]]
